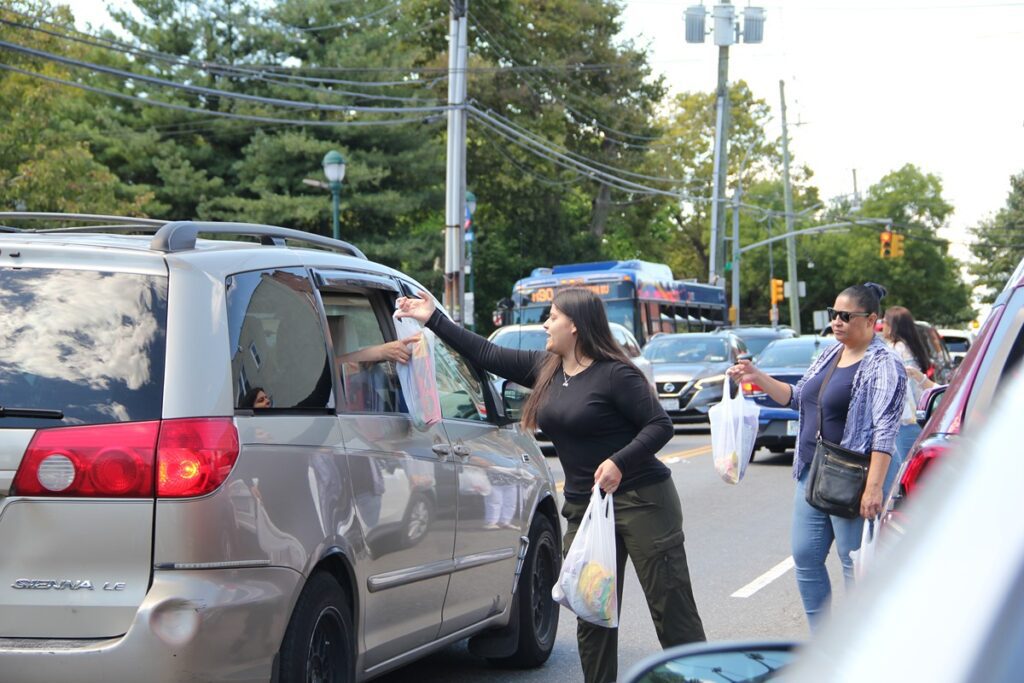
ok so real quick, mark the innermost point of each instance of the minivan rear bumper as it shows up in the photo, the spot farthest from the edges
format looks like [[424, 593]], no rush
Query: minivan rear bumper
[[209, 625]]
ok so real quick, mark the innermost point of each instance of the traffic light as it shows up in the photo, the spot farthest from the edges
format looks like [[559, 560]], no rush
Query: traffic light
[[897, 245], [885, 244], [777, 289]]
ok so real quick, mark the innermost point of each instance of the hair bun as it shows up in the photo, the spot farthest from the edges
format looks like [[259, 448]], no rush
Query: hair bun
[[879, 290]]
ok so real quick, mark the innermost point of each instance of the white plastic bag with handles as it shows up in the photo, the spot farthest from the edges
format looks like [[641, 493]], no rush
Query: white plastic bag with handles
[[417, 377], [864, 557], [587, 582], [733, 433]]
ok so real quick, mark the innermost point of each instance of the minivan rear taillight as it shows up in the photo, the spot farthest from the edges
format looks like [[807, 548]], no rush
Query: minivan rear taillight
[[111, 460], [921, 461], [185, 458], [195, 456]]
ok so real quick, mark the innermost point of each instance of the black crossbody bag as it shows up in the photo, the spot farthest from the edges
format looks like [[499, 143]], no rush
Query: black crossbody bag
[[838, 475]]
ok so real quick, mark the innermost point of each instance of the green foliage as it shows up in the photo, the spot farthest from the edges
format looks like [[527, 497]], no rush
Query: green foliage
[[999, 243]]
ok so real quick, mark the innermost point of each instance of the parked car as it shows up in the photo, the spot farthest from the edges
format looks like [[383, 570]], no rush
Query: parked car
[[786, 360], [954, 566], [947, 411], [199, 480], [689, 371], [958, 342], [756, 337]]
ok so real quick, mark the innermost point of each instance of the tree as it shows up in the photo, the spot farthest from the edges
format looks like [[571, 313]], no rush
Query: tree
[[999, 243], [927, 280]]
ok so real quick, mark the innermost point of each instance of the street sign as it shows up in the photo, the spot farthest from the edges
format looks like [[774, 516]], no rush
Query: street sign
[[820, 319], [468, 316], [802, 288]]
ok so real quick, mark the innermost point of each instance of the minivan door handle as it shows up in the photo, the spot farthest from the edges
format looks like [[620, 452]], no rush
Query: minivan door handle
[[461, 450], [441, 449]]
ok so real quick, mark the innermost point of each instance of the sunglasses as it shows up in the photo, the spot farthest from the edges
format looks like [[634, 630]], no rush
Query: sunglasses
[[844, 315]]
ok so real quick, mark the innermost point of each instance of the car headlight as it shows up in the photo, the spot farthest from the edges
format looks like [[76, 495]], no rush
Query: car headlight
[[713, 382]]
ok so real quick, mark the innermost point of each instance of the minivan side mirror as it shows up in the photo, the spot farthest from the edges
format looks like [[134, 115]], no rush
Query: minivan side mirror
[[929, 403], [513, 396]]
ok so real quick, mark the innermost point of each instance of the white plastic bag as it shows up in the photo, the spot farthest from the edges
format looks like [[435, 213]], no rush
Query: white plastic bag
[[587, 582], [865, 556], [733, 433], [417, 377]]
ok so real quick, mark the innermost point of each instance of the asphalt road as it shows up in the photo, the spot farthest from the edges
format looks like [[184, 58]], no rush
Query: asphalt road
[[735, 537]]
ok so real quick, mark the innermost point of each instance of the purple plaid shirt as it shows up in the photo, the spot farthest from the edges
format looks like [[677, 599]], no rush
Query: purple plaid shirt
[[876, 401]]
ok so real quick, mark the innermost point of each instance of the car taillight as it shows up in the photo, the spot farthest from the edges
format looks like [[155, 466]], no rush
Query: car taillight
[[101, 461], [750, 389], [920, 463], [195, 456]]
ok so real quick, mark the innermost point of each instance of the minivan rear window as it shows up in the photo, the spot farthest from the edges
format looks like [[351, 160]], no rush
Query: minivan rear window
[[89, 344]]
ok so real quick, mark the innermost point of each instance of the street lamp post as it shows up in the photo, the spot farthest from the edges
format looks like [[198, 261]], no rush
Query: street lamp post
[[334, 169], [470, 236]]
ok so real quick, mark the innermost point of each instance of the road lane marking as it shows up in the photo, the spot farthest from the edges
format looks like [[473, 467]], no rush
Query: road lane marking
[[669, 458], [765, 579]]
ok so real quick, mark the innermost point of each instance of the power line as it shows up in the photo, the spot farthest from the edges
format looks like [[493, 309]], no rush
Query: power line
[[198, 89], [206, 112], [351, 21]]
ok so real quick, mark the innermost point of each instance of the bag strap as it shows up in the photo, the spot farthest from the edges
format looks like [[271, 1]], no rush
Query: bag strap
[[821, 391]]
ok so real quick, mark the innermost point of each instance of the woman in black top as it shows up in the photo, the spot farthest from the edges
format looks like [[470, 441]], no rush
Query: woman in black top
[[606, 425]]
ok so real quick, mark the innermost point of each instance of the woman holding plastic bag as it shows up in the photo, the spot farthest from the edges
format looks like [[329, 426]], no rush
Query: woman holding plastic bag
[[606, 425], [851, 397], [733, 433]]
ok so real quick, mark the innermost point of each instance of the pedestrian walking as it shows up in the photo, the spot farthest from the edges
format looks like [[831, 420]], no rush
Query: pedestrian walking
[[859, 386], [606, 425], [900, 331]]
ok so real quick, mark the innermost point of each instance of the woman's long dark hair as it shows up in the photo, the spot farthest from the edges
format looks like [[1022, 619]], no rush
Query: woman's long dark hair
[[902, 328], [593, 340]]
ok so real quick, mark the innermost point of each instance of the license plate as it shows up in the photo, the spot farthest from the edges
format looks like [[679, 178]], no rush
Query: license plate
[[792, 428], [670, 403]]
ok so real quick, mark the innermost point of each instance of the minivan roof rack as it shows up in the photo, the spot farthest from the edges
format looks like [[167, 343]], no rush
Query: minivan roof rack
[[173, 236]]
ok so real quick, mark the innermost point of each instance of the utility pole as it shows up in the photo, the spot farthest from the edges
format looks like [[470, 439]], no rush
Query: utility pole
[[455, 176], [736, 248], [721, 163], [727, 31], [794, 286]]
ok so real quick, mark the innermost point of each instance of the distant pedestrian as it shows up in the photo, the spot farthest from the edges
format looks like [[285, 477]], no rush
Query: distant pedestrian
[[900, 332], [606, 425], [861, 405]]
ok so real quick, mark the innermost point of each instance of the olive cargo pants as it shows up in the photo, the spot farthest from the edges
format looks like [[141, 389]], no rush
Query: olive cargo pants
[[649, 530]]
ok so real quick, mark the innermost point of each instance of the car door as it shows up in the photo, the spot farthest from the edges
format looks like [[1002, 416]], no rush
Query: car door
[[491, 520], [402, 477]]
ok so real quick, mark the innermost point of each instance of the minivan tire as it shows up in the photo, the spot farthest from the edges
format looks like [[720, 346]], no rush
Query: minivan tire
[[538, 611], [319, 644]]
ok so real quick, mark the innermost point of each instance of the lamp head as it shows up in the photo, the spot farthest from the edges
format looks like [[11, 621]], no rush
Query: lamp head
[[334, 167]]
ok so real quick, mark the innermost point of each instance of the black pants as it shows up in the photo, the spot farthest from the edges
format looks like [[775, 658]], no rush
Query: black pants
[[649, 530]]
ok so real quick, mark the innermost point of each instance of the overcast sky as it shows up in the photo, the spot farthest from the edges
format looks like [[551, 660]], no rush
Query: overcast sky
[[875, 85], [870, 85]]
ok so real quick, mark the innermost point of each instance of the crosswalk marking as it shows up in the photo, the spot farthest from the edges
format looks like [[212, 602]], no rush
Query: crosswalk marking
[[765, 579]]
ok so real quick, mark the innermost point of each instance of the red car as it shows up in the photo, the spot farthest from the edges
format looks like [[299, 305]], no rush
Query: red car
[[967, 400]]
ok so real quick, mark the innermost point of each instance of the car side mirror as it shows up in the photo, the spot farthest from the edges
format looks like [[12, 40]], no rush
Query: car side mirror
[[929, 403], [513, 396], [694, 662], [957, 360]]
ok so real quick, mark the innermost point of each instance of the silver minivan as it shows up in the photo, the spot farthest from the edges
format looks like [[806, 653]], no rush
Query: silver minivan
[[198, 480]]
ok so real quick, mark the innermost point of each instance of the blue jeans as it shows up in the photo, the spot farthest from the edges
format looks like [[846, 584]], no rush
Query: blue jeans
[[813, 534], [906, 437]]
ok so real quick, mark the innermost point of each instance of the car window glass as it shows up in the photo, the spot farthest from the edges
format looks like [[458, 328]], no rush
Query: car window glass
[[460, 391], [531, 340], [87, 343], [278, 349], [368, 383]]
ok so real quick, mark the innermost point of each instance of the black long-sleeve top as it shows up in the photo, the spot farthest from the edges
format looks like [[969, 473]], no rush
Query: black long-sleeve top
[[607, 411]]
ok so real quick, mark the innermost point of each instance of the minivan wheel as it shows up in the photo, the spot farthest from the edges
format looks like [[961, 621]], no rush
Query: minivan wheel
[[319, 645], [538, 612]]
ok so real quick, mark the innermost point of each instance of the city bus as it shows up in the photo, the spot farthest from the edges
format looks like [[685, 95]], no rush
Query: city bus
[[644, 297]]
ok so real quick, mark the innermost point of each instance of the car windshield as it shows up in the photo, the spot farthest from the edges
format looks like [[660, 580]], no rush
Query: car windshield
[[786, 353], [956, 344], [686, 350], [530, 340], [756, 345]]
